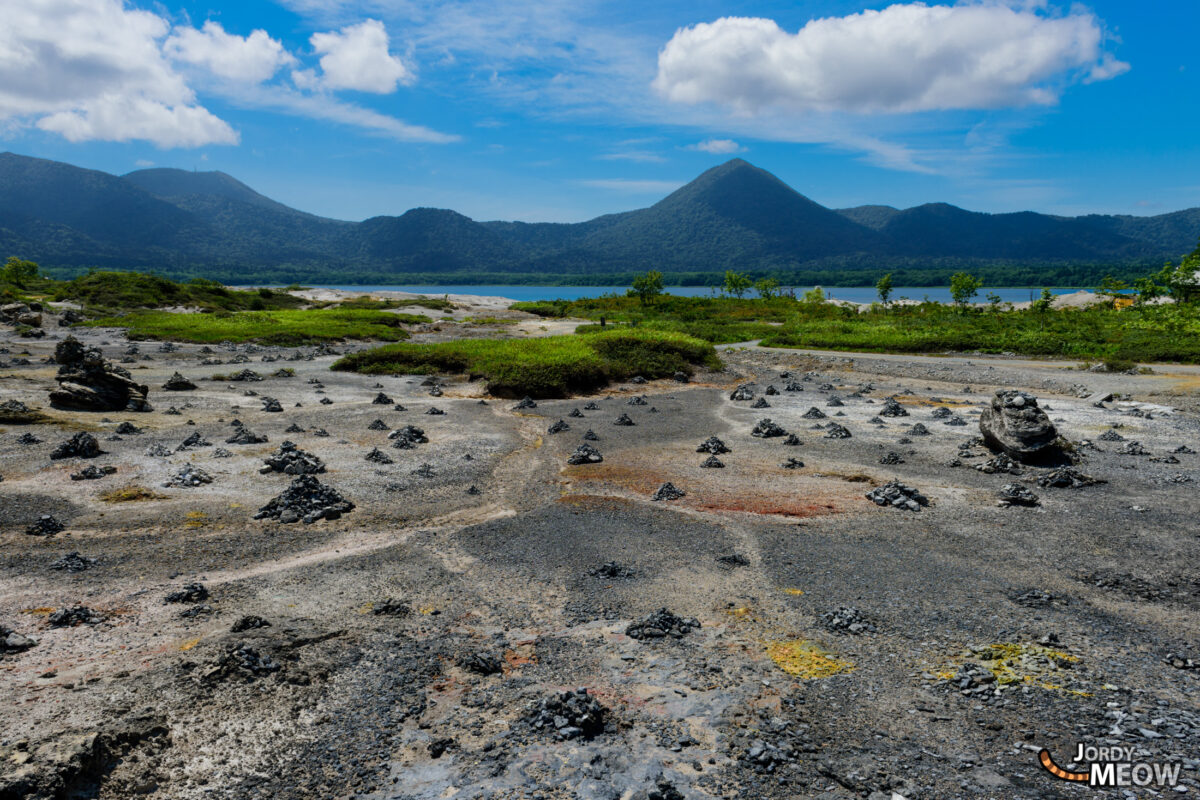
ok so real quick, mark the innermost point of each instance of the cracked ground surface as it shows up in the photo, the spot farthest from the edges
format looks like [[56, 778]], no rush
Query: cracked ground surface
[[410, 643]]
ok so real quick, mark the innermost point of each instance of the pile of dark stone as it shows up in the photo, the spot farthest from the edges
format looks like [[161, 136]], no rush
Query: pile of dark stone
[[568, 715], [813, 413], [792, 440], [760, 403], [892, 408], [1002, 462], [178, 383], [712, 462], [891, 458], [128, 429], [481, 663], [189, 593], [847, 619], [377, 456], [239, 660], [1067, 478], [246, 375], [378, 425], [1014, 494], [941, 412], [382, 399], [305, 499], [28, 438], [13, 642], [585, 454], [623, 420], [158, 450], [610, 570], [590, 436], [291, 460], [92, 472], [918, 430], [957, 422], [836, 431], [75, 615], [88, 382], [45, 525], [743, 392], [712, 445], [407, 438], [668, 491], [637, 401], [81, 445], [245, 436], [792, 463], [188, 476], [73, 562], [248, 623], [1132, 449], [1181, 662], [558, 427], [973, 679], [591, 406], [195, 440], [527, 402], [271, 405], [424, 471], [897, 495], [434, 411], [766, 429], [661, 624], [389, 607]]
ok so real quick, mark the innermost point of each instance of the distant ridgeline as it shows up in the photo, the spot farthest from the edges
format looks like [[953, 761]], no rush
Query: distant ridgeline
[[735, 216]]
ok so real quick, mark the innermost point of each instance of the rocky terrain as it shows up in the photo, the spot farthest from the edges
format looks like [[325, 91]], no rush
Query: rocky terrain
[[299, 583]]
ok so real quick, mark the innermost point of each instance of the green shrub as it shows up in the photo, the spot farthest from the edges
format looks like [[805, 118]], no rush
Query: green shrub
[[551, 366], [286, 328]]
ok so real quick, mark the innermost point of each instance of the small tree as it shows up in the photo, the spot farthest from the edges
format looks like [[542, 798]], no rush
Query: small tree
[[1042, 304], [963, 288], [648, 286], [1182, 282], [1147, 289], [18, 271], [767, 288], [1112, 287], [814, 295], [737, 283], [884, 288]]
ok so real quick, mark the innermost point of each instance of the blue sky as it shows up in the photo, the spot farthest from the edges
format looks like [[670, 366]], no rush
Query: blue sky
[[562, 110]]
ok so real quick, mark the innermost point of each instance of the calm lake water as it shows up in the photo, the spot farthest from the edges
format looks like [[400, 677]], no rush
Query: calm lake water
[[859, 294]]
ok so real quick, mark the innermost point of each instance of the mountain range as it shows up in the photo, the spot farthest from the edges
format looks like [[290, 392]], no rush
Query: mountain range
[[734, 216]]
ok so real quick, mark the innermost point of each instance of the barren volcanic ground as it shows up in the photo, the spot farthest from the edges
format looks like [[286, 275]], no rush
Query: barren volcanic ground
[[428, 644]]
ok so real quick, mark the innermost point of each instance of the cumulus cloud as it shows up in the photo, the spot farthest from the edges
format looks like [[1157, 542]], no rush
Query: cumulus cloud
[[904, 58], [92, 69], [718, 146], [356, 57], [253, 58]]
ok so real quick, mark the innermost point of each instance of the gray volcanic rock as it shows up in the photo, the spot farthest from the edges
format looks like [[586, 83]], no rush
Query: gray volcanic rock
[[660, 624], [88, 382], [292, 461], [585, 454], [1014, 423]]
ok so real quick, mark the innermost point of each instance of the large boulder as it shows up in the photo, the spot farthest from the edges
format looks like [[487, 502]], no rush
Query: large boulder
[[1014, 424], [87, 382]]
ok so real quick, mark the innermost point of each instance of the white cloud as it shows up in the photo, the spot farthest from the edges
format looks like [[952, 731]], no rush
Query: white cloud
[[92, 69], [904, 58], [639, 156], [253, 58], [718, 146], [356, 57]]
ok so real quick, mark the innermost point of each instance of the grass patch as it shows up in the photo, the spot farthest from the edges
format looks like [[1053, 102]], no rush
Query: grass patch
[[551, 366], [368, 303], [130, 494], [101, 292], [1150, 333], [283, 328]]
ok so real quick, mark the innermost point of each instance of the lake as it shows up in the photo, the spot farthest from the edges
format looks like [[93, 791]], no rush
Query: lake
[[857, 294]]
